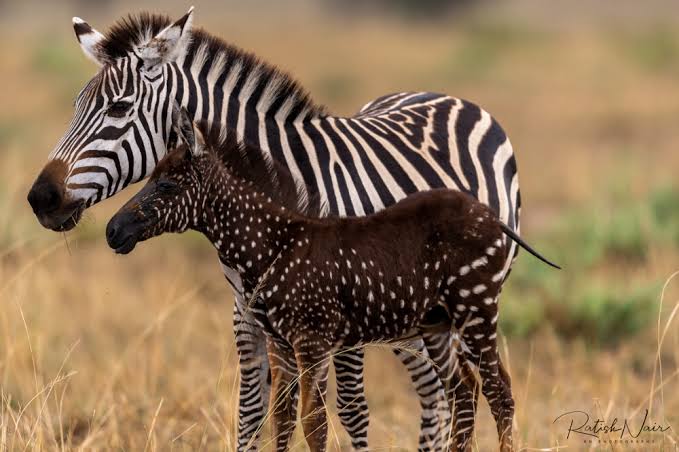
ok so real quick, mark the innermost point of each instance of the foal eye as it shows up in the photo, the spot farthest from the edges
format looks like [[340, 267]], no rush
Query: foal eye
[[166, 186], [118, 109]]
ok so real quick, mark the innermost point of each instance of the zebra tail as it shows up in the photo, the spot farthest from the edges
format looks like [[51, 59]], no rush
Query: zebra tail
[[512, 235]]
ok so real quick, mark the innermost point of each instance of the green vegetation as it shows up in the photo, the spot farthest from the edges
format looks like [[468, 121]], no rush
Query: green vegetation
[[606, 315], [486, 45], [655, 49], [10, 131], [664, 206], [585, 241], [63, 63], [56, 58], [336, 86]]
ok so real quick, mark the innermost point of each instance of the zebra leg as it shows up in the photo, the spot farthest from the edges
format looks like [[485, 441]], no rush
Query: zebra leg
[[460, 386], [254, 376], [352, 406], [283, 390], [428, 387]]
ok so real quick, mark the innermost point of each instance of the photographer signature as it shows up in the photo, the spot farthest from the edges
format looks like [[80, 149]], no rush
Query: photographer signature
[[582, 424]]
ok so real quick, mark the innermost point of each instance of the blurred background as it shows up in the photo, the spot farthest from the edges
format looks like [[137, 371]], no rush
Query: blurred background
[[102, 351]]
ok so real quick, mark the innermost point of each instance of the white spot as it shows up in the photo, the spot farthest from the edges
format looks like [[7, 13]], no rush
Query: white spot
[[480, 262], [473, 322]]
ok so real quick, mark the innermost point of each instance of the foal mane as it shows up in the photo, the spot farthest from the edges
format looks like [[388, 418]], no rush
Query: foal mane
[[134, 30], [266, 175]]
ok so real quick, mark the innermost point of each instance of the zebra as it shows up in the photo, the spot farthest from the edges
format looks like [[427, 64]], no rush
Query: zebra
[[396, 145]]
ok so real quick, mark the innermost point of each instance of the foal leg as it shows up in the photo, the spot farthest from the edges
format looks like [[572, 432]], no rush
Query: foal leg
[[352, 406], [283, 391], [313, 362], [254, 371], [506, 440], [460, 385], [480, 336], [466, 400], [429, 391]]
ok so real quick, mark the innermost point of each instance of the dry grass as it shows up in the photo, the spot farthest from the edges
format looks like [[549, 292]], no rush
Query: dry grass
[[105, 352], [102, 353]]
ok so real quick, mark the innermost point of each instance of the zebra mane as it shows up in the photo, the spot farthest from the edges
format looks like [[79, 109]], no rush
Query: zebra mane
[[134, 30], [262, 172]]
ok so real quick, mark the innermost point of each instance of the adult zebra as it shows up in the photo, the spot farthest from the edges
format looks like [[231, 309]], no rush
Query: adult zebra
[[396, 145]]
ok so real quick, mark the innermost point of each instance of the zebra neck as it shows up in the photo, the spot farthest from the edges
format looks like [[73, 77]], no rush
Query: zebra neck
[[240, 93]]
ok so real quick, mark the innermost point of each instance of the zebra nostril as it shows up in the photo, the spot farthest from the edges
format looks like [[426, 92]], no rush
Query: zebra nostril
[[44, 197], [53, 196]]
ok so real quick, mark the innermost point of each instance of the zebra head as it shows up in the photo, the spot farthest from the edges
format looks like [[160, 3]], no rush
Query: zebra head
[[122, 120]]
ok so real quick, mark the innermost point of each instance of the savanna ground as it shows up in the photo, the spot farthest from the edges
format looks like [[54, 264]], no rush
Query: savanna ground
[[99, 351]]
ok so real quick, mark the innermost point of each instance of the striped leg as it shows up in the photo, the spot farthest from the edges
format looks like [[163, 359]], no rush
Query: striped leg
[[284, 390], [352, 406], [428, 387], [460, 386], [507, 405], [466, 401], [254, 373], [495, 384]]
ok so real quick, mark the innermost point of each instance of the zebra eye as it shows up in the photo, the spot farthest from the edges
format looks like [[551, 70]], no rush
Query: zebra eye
[[118, 109]]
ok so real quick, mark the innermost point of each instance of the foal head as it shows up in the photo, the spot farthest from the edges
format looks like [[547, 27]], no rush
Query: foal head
[[172, 200]]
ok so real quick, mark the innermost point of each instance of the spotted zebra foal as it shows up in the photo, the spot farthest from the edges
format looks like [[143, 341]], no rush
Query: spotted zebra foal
[[326, 283]]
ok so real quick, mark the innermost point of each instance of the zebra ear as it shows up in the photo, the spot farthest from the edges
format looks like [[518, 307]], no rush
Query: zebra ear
[[167, 45], [89, 40]]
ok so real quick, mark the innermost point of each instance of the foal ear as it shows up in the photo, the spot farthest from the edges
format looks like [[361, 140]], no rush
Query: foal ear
[[90, 40], [201, 145], [169, 44], [188, 131]]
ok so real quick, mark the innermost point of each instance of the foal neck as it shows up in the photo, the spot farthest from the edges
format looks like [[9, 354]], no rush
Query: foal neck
[[248, 229]]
